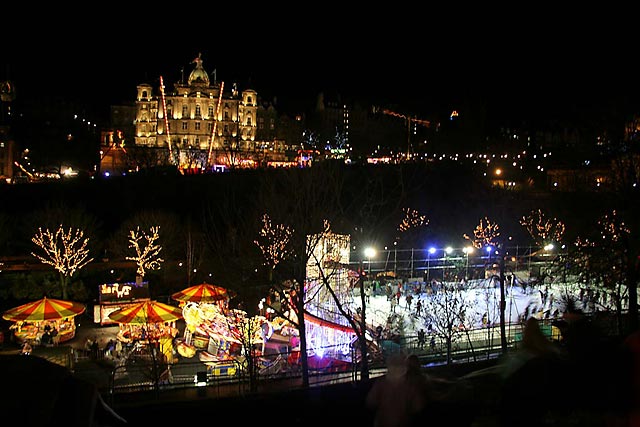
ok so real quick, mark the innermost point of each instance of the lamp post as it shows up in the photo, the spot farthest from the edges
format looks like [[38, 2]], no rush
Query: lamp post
[[467, 250], [447, 251], [430, 252], [503, 302], [369, 252]]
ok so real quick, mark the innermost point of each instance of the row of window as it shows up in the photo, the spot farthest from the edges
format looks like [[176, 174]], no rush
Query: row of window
[[185, 127]]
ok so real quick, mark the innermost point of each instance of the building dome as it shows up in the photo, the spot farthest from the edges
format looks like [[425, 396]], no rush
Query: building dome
[[198, 75]]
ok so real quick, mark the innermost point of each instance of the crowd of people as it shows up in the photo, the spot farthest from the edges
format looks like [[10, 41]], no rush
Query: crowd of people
[[584, 379]]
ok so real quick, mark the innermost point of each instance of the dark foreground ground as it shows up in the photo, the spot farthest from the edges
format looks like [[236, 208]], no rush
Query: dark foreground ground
[[587, 393], [42, 393]]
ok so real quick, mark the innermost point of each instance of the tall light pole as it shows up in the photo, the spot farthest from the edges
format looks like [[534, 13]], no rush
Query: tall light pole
[[430, 252], [503, 302], [369, 252], [467, 250], [447, 251]]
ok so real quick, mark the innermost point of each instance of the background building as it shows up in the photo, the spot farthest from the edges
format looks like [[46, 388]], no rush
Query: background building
[[7, 144]]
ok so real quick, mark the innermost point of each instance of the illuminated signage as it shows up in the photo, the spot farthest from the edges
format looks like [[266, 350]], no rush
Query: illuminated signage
[[122, 292]]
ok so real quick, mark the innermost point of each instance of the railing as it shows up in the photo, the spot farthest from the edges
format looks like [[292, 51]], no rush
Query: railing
[[193, 377], [232, 379]]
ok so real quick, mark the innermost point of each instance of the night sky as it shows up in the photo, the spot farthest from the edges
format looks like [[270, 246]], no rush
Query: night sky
[[518, 70]]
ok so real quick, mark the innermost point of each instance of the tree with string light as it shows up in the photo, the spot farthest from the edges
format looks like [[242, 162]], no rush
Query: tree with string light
[[273, 241], [64, 250], [147, 250], [543, 230], [600, 261], [486, 234]]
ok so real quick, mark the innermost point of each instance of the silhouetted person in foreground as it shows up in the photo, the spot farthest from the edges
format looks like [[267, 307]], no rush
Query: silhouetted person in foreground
[[530, 375], [626, 384], [396, 398]]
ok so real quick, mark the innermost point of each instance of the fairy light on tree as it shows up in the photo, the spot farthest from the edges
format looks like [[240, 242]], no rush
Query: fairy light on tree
[[66, 251], [411, 231], [412, 219], [274, 243], [542, 229], [147, 250], [603, 264], [612, 228], [486, 233]]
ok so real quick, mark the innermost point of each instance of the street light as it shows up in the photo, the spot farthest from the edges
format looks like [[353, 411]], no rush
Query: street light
[[369, 252], [431, 251]]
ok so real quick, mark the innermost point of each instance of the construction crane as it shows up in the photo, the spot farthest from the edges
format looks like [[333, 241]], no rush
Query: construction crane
[[409, 120]]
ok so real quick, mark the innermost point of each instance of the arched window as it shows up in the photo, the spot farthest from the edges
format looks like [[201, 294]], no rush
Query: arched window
[[248, 119], [185, 111], [144, 93], [210, 111], [249, 100], [197, 110]]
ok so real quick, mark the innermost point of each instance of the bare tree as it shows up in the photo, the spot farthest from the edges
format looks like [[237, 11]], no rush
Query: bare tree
[[274, 243], [600, 261], [66, 251], [487, 233], [446, 311], [303, 199], [543, 230], [312, 202], [147, 250]]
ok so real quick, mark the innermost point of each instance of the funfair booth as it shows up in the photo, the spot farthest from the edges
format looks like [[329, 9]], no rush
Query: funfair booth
[[45, 321], [117, 296]]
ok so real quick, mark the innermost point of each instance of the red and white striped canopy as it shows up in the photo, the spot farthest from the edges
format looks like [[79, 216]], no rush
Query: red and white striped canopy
[[203, 293], [146, 312], [44, 309]]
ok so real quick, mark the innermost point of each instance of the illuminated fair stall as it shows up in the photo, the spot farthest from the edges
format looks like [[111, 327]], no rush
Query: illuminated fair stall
[[116, 296], [47, 316]]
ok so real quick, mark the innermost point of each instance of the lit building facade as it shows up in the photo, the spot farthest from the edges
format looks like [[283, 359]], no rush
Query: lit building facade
[[202, 124]]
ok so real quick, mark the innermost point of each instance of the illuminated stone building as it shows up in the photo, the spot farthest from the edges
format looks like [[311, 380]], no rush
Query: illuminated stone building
[[202, 125]]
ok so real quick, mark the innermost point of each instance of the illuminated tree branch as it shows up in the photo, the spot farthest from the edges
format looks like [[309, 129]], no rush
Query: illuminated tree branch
[[147, 256], [612, 228], [542, 229], [485, 233], [274, 242], [412, 219], [66, 251]]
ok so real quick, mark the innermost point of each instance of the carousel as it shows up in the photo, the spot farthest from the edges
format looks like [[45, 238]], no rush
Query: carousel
[[44, 322], [148, 323], [221, 337]]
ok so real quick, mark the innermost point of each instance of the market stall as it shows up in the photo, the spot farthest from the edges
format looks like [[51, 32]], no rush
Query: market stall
[[46, 321], [116, 296]]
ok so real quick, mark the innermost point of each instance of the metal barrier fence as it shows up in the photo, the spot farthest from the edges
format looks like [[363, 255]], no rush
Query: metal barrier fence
[[232, 379]]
